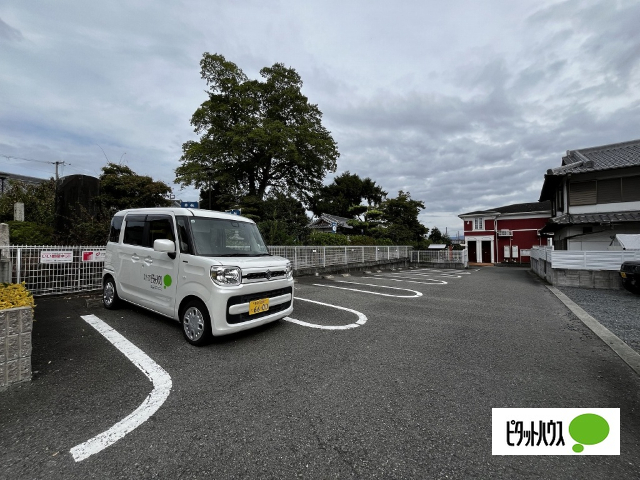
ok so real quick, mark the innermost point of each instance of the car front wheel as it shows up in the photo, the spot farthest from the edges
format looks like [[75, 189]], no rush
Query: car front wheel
[[196, 323], [110, 297]]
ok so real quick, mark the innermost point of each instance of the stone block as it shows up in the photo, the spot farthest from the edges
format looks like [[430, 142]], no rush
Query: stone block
[[25, 345], [24, 369], [26, 320], [16, 325], [12, 347], [13, 374], [14, 318]]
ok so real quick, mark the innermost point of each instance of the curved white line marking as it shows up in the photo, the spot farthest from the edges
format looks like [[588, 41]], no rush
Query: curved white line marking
[[429, 281], [362, 319], [161, 389], [417, 294], [427, 275]]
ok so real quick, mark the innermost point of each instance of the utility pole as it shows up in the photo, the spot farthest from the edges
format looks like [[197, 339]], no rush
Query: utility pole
[[55, 200]]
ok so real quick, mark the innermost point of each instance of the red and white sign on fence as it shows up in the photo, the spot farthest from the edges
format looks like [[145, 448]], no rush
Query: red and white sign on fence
[[93, 255], [65, 256]]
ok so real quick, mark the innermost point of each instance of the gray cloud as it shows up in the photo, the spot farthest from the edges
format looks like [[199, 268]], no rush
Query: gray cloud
[[8, 33]]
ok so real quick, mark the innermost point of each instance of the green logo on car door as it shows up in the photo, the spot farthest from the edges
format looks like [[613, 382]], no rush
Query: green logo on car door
[[167, 281]]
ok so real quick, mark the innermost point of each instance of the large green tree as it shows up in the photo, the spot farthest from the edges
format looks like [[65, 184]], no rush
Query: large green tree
[[399, 220], [283, 221], [121, 187], [256, 136], [346, 195]]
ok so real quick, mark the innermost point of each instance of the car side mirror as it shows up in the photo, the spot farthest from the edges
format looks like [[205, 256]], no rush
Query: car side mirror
[[164, 245]]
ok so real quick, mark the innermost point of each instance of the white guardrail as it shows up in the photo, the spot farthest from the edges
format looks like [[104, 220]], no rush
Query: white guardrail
[[51, 270], [584, 260]]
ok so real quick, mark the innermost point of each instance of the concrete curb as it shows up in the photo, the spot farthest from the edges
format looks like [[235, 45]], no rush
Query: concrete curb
[[624, 351]]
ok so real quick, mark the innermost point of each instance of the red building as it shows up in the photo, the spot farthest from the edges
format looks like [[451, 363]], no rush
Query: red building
[[505, 234]]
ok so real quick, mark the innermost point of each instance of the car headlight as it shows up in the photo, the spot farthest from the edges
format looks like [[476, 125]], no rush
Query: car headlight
[[289, 270], [226, 276]]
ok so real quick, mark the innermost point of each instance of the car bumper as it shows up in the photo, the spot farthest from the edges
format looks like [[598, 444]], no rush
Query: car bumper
[[230, 310]]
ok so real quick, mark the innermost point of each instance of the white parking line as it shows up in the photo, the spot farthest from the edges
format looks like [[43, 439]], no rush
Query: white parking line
[[439, 274], [428, 281], [417, 294], [362, 319], [161, 388]]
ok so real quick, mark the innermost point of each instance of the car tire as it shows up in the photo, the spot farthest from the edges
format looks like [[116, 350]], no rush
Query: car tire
[[196, 323], [631, 287], [110, 298]]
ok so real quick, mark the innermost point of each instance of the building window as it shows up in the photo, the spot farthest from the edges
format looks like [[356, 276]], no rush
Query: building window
[[631, 189], [582, 193], [610, 190], [478, 223]]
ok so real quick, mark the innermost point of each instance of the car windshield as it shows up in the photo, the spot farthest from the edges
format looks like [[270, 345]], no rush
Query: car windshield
[[216, 237]]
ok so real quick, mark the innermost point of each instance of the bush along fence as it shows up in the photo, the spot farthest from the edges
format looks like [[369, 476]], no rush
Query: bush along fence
[[16, 325], [53, 270]]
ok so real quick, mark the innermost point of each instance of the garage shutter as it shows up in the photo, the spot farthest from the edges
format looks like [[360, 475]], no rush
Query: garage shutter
[[582, 193]]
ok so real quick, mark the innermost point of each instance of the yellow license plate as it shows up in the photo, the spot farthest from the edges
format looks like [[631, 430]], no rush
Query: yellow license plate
[[258, 306], [623, 275]]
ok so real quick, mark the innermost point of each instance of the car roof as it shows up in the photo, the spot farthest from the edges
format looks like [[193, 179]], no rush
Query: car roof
[[188, 212]]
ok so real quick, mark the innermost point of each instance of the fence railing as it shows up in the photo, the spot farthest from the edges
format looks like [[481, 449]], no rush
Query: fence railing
[[316, 257], [51, 270], [585, 260], [440, 256], [541, 253]]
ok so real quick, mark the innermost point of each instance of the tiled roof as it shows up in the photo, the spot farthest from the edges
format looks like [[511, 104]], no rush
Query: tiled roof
[[326, 220], [605, 157], [573, 219], [515, 208]]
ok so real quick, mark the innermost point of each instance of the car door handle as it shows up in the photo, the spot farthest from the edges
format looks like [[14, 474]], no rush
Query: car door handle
[[135, 257], [148, 260]]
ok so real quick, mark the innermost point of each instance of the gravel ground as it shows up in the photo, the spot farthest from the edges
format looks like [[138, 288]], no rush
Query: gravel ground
[[618, 310]]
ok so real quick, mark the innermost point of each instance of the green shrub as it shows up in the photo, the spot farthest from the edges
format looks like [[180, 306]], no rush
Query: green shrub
[[30, 233]]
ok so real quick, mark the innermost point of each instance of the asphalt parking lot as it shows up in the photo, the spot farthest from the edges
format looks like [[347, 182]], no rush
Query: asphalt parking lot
[[382, 375]]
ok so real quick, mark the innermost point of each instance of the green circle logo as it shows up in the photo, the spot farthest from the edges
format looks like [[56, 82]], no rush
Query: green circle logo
[[167, 281], [588, 429]]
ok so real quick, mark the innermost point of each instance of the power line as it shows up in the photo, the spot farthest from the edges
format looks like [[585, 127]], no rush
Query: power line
[[9, 157], [56, 163]]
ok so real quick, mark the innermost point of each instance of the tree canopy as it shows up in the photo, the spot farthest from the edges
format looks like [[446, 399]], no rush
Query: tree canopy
[[399, 220], [256, 136], [38, 200], [121, 187], [345, 195]]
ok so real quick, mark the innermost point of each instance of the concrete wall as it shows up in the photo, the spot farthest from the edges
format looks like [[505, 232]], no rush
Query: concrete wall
[[564, 277]]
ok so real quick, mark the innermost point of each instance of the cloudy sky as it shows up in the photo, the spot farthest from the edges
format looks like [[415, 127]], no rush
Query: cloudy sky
[[464, 104]]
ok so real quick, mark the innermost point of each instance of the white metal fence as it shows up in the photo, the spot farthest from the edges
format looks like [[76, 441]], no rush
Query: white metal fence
[[311, 257], [440, 256], [541, 253], [584, 260], [50, 270]]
